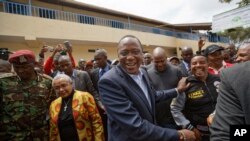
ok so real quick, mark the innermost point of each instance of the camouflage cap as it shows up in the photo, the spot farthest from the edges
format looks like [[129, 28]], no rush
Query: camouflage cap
[[22, 57]]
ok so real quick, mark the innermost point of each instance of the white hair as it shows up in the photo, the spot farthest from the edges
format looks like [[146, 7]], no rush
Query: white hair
[[62, 76]]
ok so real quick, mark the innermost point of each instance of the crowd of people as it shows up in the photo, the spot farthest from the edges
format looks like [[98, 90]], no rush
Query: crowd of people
[[137, 97]]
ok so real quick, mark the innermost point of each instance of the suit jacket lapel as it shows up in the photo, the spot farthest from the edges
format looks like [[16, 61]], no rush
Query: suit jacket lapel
[[77, 79], [151, 94], [97, 75], [133, 85]]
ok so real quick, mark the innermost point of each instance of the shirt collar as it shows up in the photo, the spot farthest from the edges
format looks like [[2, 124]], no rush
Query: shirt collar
[[73, 74], [137, 76], [186, 64], [105, 69]]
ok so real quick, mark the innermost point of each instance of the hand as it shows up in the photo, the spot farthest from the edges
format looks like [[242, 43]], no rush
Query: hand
[[210, 119], [197, 134], [185, 134], [44, 49], [59, 48], [69, 50], [182, 85], [201, 43]]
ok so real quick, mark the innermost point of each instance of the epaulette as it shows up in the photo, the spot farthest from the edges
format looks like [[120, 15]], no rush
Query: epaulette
[[45, 76], [4, 75]]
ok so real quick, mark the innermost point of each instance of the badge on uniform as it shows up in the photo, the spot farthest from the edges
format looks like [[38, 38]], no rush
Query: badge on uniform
[[22, 59]]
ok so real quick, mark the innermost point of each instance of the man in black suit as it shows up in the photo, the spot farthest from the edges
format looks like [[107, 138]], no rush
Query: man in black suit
[[129, 99], [101, 58], [233, 107], [187, 55]]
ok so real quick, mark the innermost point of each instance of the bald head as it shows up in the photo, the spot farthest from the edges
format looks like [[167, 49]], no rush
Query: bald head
[[159, 52], [243, 54], [187, 54], [64, 58], [159, 58], [186, 49]]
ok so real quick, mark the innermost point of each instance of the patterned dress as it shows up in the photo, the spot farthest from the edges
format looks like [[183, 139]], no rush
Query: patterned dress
[[87, 119]]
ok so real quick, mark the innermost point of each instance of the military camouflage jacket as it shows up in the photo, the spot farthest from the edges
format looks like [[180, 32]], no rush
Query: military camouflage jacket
[[24, 108]]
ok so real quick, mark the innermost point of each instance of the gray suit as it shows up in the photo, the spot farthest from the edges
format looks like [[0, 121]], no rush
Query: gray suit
[[130, 116], [233, 104], [183, 69], [82, 82]]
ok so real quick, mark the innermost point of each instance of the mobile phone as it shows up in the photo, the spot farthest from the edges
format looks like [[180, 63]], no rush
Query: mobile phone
[[67, 45]]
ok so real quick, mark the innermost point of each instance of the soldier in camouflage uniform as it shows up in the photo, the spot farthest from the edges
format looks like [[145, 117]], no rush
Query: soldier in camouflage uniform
[[25, 97]]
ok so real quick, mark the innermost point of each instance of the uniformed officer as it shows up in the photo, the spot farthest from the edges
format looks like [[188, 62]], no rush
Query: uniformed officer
[[25, 97]]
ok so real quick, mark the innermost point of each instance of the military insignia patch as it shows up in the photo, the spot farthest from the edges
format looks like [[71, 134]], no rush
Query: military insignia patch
[[22, 59]]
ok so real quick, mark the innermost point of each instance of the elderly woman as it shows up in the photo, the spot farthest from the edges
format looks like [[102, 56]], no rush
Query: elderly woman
[[74, 115], [190, 110]]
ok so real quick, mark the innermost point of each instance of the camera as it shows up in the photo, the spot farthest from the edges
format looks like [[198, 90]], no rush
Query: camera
[[67, 45], [4, 53], [49, 48]]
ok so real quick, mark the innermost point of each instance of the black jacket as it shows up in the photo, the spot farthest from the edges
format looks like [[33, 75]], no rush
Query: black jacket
[[201, 98]]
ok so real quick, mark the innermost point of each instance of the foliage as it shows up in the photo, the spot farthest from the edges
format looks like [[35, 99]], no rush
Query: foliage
[[241, 3], [238, 34]]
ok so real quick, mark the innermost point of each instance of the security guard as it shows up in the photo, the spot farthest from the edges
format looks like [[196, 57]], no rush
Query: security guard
[[25, 97]]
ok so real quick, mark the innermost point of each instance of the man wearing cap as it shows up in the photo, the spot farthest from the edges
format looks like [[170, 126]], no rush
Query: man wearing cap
[[25, 99], [215, 59], [174, 60]]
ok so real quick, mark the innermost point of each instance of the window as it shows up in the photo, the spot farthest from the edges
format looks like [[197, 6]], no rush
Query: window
[[91, 50], [86, 19], [47, 13], [156, 30], [16, 8], [117, 24]]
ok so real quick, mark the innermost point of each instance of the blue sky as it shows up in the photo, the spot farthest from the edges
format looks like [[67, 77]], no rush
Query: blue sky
[[170, 11]]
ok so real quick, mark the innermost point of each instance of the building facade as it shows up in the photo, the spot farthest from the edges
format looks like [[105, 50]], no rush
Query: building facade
[[29, 24]]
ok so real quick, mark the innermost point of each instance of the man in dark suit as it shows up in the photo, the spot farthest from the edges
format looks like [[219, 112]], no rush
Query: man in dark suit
[[233, 107], [187, 55], [129, 99], [101, 58]]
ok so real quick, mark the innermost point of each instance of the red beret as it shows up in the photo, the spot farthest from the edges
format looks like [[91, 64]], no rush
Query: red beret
[[22, 57], [89, 63]]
